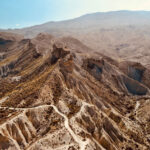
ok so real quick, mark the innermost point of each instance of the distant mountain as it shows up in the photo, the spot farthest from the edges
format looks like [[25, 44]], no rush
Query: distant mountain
[[90, 22], [121, 34]]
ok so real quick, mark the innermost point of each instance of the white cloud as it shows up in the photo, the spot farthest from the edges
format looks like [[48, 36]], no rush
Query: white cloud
[[17, 25]]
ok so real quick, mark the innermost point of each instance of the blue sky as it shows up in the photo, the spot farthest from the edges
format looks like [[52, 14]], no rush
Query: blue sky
[[22, 13]]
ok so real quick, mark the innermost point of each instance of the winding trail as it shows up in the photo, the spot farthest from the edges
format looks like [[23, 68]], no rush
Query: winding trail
[[137, 106], [81, 143]]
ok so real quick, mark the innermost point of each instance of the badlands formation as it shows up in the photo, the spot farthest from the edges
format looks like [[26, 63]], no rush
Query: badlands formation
[[58, 94]]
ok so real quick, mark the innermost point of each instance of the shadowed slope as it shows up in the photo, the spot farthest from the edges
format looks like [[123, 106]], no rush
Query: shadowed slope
[[56, 97]]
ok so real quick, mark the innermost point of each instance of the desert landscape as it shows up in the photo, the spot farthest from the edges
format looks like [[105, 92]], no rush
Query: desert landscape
[[80, 84]]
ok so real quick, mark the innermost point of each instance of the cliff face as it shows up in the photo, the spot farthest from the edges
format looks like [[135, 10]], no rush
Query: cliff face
[[62, 98]]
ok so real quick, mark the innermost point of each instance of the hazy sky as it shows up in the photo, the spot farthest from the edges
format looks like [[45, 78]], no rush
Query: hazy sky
[[21, 13]]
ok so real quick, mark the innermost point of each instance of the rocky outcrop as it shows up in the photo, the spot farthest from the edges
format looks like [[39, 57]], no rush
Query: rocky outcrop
[[63, 99], [134, 87], [135, 73], [133, 70], [57, 53], [4, 42], [8, 40], [6, 69], [94, 67]]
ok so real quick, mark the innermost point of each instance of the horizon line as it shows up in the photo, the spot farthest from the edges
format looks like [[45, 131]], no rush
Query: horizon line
[[69, 19]]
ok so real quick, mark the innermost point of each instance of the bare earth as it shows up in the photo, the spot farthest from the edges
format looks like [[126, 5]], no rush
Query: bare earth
[[90, 91]]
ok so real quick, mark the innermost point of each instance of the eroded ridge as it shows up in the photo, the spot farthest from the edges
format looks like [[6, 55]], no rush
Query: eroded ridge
[[56, 95]]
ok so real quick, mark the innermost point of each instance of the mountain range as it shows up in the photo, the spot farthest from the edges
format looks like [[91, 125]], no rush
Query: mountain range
[[81, 84]]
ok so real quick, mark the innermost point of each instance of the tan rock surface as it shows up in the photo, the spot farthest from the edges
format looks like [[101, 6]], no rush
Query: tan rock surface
[[68, 99]]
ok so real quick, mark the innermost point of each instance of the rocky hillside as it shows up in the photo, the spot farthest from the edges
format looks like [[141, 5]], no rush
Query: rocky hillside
[[119, 34], [56, 94]]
